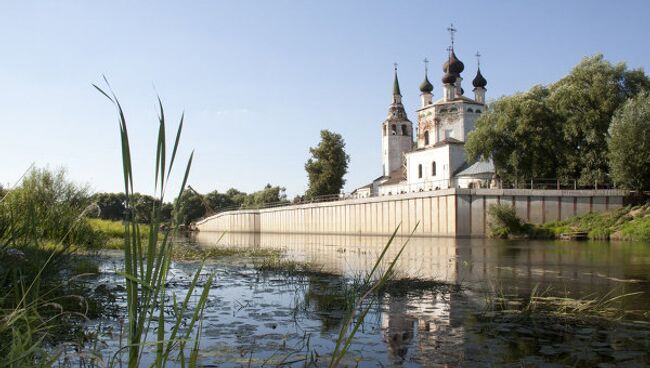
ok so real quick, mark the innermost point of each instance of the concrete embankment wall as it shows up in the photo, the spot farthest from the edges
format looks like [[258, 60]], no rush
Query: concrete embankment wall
[[449, 212]]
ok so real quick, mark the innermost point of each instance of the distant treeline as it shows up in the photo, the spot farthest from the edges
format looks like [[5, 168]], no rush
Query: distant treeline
[[192, 206]]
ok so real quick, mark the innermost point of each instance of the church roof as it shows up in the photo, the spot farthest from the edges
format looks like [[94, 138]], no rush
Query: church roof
[[453, 65], [396, 176], [367, 186], [477, 168], [426, 86], [447, 141], [449, 78], [479, 80], [456, 99]]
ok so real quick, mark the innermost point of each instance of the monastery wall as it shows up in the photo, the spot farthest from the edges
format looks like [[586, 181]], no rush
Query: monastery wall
[[449, 212]]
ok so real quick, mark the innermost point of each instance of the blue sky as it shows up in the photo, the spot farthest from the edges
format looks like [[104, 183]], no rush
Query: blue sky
[[259, 80]]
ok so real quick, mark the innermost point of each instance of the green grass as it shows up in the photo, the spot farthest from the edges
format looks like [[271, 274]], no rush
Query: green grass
[[113, 232], [195, 252], [626, 223]]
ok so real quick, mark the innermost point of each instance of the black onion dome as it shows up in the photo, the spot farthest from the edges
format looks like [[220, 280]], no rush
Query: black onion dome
[[426, 86], [479, 80], [453, 64], [449, 78]]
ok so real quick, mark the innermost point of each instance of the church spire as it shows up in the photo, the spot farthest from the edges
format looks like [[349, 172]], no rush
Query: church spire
[[396, 91]]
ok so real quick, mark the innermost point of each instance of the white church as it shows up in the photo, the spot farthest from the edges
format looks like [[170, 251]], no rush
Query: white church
[[433, 157]]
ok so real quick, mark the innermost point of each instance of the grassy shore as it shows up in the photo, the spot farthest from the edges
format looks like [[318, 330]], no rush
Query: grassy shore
[[113, 232], [626, 223]]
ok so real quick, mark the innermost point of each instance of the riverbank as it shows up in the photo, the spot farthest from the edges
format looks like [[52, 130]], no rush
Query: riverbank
[[630, 223], [627, 223]]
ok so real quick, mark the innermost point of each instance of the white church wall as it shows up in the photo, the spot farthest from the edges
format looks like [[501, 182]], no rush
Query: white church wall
[[426, 158], [393, 147]]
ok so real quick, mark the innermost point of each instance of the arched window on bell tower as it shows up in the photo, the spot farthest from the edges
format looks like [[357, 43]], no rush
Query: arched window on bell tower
[[405, 130], [426, 138], [393, 129]]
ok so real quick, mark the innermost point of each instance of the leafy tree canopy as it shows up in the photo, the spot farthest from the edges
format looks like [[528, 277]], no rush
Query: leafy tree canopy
[[111, 205], [629, 146], [195, 205], [586, 100], [560, 130], [327, 165], [519, 133], [190, 207]]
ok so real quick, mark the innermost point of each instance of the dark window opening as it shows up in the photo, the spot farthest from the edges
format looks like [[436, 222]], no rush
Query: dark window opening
[[433, 168], [419, 171], [426, 138], [393, 129], [404, 130]]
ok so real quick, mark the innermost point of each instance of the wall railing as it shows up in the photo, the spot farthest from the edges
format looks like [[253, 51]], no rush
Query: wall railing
[[426, 186]]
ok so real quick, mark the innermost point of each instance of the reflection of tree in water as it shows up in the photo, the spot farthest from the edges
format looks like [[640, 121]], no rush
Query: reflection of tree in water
[[399, 328], [330, 297]]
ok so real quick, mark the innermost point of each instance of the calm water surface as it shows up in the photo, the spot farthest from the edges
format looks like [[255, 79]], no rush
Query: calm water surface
[[269, 319], [563, 268]]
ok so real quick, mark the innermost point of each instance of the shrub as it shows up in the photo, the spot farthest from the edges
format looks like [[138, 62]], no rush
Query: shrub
[[504, 222], [47, 207]]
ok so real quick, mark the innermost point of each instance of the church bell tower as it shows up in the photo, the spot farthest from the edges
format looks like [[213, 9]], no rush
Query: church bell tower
[[397, 132]]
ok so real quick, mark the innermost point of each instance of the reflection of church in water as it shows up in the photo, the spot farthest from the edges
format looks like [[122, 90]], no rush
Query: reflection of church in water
[[435, 325], [434, 156]]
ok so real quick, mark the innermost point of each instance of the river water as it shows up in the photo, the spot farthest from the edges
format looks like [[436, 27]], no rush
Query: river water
[[267, 319]]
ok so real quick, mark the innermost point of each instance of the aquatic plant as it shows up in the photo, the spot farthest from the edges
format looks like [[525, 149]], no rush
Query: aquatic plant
[[41, 221], [540, 303], [374, 280], [146, 264]]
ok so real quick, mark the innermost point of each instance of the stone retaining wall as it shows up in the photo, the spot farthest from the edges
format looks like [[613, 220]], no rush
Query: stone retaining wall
[[448, 212]]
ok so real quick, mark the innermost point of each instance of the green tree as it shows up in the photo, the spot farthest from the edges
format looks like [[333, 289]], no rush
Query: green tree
[[142, 207], [586, 100], [166, 212], [629, 146], [237, 197], [111, 205], [327, 166], [190, 207], [217, 200], [559, 131], [269, 194], [521, 135]]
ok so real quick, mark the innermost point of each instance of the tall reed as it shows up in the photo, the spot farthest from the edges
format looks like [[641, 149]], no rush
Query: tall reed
[[146, 263], [357, 315]]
